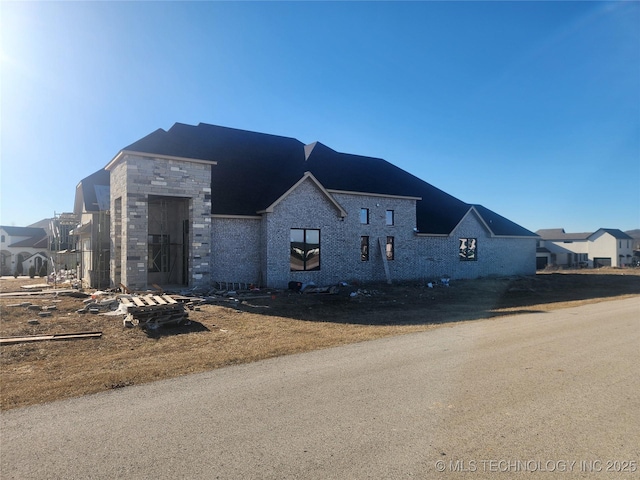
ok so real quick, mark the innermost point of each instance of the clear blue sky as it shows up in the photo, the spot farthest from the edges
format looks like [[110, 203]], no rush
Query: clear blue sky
[[529, 108]]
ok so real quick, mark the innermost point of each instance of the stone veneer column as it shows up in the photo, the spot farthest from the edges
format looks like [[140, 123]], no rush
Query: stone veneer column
[[136, 177]]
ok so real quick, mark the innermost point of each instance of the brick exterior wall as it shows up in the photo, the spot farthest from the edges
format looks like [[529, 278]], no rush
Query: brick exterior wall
[[236, 250], [502, 256], [133, 179], [252, 250], [305, 207], [246, 249]]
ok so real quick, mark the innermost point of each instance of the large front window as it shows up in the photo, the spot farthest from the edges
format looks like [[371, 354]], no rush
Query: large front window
[[305, 249]]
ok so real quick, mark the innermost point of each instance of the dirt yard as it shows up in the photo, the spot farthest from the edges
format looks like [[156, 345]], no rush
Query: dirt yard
[[268, 324]]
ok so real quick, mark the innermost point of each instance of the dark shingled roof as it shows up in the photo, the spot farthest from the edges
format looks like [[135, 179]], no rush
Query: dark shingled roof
[[559, 234], [254, 169], [36, 237], [500, 225], [614, 232], [90, 192]]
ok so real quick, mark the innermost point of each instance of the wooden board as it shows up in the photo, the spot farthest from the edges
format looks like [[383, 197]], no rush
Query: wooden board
[[159, 300], [57, 336]]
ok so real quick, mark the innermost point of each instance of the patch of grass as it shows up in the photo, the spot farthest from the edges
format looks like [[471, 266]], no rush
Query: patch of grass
[[220, 335]]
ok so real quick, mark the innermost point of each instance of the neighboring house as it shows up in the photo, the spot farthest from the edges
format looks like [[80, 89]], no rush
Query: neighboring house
[[21, 248], [93, 242], [606, 247], [200, 204]]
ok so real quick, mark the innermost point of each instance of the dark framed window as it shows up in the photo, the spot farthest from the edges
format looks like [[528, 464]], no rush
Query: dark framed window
[[364, 248], [389, 217], [305, 249], [468, 249], [390, 248], [158, 250], [364, 216]]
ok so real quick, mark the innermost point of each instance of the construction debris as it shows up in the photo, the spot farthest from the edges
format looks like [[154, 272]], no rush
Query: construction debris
[[152, 311], [57, 336]]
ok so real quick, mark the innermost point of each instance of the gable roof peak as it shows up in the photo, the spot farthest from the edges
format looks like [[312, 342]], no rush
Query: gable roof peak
[[315, 147]]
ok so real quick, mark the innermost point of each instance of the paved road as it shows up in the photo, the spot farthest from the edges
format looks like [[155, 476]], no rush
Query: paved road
[[496, 398]]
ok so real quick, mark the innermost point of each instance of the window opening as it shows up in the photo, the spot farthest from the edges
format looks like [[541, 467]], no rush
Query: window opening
[[364, 216], [390, 217], [468, 249], [305, 250], [390, 248], [364, 248]]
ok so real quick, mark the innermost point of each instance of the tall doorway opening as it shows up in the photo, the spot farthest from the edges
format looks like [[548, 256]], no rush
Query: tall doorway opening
[[168, 240]]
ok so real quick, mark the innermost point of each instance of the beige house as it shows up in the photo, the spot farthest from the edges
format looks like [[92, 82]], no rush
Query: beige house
[[606, 247]]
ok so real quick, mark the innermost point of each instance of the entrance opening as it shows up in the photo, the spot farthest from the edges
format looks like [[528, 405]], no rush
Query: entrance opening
[[168, 240]]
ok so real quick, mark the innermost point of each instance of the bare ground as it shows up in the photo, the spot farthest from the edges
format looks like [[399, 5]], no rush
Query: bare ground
[[270, 324]]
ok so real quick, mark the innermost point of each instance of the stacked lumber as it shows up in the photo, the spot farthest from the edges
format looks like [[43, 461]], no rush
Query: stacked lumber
[[153, 311]]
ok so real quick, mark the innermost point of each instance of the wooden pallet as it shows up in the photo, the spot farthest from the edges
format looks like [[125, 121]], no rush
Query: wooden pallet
[[153, 311]]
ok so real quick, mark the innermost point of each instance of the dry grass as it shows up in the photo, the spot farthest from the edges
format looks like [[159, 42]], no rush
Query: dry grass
[[265, 327]]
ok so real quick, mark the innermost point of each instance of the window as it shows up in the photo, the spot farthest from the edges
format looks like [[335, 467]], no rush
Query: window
[[158, 249], [389, 217], [364, 249], [390, 248], [305, 250], [468, 250], [364, 216], [2, 239]]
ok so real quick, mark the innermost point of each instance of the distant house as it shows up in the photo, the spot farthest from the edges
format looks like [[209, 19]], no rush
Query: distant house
[[201, 204], [21, 248], [606, 247]]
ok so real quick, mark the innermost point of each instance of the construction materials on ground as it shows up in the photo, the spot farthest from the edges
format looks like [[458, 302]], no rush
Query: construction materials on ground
[[152, 311], [57, 336]]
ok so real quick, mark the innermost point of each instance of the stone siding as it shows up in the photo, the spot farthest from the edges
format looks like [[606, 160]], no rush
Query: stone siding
[[133, 179]]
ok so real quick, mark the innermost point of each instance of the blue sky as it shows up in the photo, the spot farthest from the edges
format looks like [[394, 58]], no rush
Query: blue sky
[[529, 108]]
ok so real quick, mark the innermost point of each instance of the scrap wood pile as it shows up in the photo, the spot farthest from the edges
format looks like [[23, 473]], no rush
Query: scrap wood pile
[[146, 310], [152, 311]]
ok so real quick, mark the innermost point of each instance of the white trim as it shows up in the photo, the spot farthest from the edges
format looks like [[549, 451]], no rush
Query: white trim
[[307, 175], [237, 217], [383, 195], [123, 153], [419, 234]]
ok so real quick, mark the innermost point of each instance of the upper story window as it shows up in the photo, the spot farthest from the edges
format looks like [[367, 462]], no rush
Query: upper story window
[[390, 217], [305, 249], [364, 216], [2, 238]]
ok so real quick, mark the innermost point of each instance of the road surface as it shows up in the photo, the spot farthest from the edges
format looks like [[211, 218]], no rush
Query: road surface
[[541, 395]]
